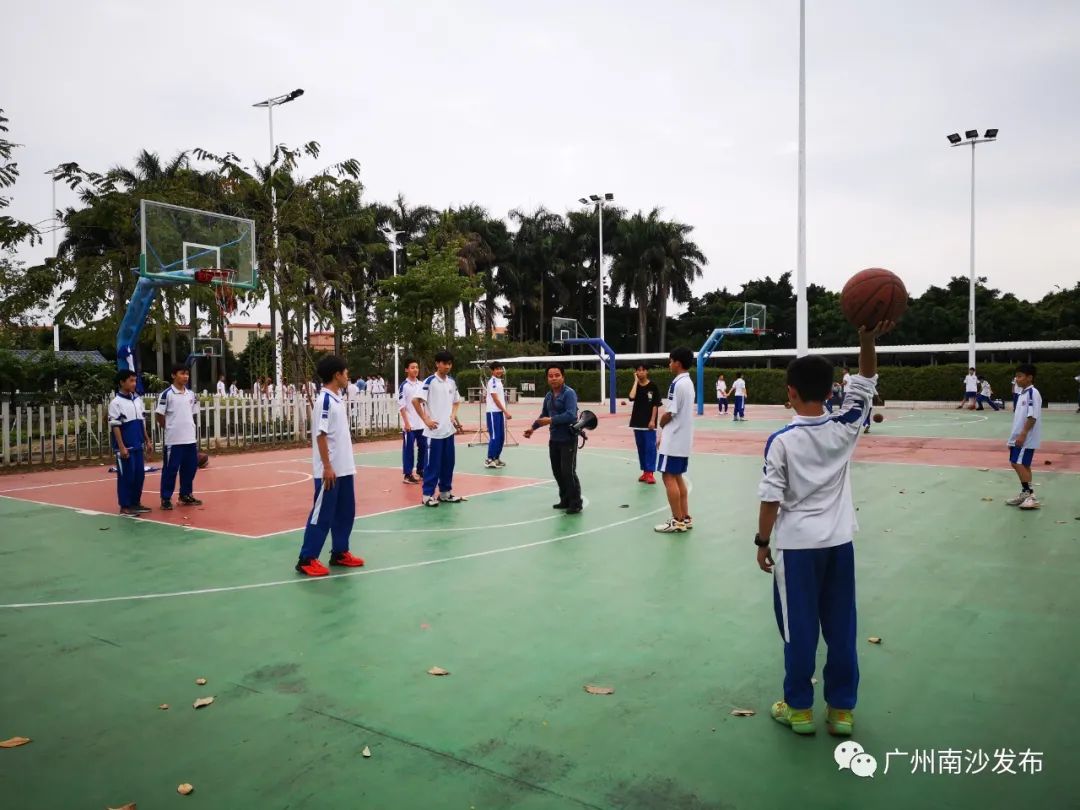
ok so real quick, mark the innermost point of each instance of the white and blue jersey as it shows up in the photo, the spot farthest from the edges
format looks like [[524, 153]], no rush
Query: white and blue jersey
[[127, 413]]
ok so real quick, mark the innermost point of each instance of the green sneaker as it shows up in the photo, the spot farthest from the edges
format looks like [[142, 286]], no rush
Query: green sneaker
[[839, 722], [801, 721]]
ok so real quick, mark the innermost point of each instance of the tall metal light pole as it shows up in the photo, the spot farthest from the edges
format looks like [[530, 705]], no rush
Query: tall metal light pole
[[269, 104], [598, 200], [391, 236], [802, 313], [972, 136], [55, 227]]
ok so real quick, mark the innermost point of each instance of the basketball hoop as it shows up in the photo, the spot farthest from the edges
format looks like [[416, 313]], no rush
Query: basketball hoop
[[224, 291]]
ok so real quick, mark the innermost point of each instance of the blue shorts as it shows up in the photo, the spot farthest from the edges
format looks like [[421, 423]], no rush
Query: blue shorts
[[673, 465], [1018, 455], [970, 395]]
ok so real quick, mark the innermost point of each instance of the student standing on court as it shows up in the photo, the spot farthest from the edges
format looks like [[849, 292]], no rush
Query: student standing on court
[[127, 423], [413, 442], [738, 388], [559, 412], [177, 412], [497, 416], [721, 394], [437, 404], [971, 390], [221, 385], [807, 514], [1026, 435], [334, 468], [645, 399], [677, 440]]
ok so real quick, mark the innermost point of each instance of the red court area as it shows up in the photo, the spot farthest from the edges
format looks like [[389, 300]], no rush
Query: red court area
[[748, 440], [248, 495]]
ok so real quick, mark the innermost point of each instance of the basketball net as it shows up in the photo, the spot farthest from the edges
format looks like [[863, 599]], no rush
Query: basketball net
[[224, 292]]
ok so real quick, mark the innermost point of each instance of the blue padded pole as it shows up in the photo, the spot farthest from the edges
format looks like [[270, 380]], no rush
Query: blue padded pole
[[127, 337], [598, 344]]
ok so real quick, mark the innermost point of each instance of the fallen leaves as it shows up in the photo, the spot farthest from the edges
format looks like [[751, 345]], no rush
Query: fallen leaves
[[204, 701], [874, 640], [984, 469], [128, 806], [366, 752], [102, 528], [185, 789], [743, 712], [164, 707], [599, 690], [987, 499], [438, 671], [200, 681], [14, 742]]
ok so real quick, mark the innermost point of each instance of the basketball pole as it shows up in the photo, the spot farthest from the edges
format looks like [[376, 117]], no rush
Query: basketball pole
[[802, 327]]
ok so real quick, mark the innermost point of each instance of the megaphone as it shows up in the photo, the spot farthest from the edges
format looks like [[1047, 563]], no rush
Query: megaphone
[[586, 421]]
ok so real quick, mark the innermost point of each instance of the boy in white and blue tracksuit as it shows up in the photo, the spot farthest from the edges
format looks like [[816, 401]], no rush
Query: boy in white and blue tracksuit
[[177, 412], [413, 441], [496, 414], [437, 403], [808, 516], [127, 428]]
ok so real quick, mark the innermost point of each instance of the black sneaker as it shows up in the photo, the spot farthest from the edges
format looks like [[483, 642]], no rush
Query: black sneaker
[[166, 506], [142, 510], [574, 510], [190, 500], [129, 511], [560, 505]]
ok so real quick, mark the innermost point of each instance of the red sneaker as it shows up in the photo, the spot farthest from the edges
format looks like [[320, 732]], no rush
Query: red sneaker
[[347, 559], [312, 568], [643, 478], [650, 478]]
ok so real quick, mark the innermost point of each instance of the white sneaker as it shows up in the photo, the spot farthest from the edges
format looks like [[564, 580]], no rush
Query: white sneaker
[[688, 522], [670, 527], [490, 464], [432, 501], [1031, 502], [450, 497], [1019, 499], [499, 463]]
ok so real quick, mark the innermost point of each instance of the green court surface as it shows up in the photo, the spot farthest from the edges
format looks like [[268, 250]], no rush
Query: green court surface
[[976, 604]]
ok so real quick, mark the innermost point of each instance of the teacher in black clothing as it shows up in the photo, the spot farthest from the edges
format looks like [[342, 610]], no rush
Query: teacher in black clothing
[[559, 412]]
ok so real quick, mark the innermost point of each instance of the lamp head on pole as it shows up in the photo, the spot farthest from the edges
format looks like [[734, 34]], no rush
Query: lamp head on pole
[[991, 133], [955, 138], [971, 134]]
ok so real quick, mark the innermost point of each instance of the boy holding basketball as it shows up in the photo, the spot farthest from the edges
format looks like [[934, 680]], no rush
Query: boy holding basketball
[[1026, 435], [334, 469], [808, 516], [178, 413]]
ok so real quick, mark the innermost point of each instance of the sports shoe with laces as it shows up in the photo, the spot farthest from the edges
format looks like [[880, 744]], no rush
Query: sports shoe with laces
[[346, 559], [839, 722], [142, 510], [801, 721], [166, 505], [1019, 499], [432, 501], [1031, 502], [489, 463], [129, 511], [688, 522], [190, 500], [670, 527], [641, 478], [410, 479], [312, 568], [499, 463], [649, 478], [449, 497]]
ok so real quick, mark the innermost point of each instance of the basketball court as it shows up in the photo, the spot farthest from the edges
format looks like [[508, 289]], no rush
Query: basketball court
[[105, 618]]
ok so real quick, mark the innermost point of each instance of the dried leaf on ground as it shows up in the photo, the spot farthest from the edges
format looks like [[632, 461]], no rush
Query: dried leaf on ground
[[164, 707], [743, 712], [599, 690], [987, 499], [200, 681], [425, 626], [14, 742], [1061, 521], [128, 806], [874, 640], [984, 469], [185, 789], [438, 671], [206, 701], [366, 752], [102, 528]]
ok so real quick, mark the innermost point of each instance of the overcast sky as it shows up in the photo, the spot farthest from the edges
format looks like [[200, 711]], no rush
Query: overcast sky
[[691, 106]]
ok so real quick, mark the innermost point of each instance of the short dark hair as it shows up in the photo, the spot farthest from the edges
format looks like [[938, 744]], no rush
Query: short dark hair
[[410, 360], [738, 374], [550, 366], [641, 365], [683, 356], [1026, 368], [811, 376], [444, 357], [126, 374], [177, 368], [329, 366], [496, 364]]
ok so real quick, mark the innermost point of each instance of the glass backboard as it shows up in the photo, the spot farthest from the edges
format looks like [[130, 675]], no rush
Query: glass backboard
[[178, 241]]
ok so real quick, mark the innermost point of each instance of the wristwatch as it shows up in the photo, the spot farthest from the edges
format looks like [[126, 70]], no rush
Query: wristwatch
[[761, 542]]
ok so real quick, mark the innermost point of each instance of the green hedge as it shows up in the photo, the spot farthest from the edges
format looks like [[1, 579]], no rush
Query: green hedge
[[766, 385]]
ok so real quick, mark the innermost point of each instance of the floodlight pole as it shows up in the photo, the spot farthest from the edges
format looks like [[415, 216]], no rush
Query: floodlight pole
[[598, 200], [971, 270], [391, 236], [802, 327], [270, 103]]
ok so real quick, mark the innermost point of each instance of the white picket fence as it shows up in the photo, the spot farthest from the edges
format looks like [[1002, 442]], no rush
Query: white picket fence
[[55, 433]]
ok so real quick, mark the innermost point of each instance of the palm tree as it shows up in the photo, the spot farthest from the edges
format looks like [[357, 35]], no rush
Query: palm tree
[[639, 257], [681, 266]]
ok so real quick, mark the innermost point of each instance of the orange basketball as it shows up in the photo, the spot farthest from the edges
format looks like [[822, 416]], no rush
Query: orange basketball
[[872, 296]]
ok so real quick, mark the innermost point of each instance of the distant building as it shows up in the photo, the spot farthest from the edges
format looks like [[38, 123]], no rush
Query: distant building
[[321, 341], [238, 334], [499, 332]]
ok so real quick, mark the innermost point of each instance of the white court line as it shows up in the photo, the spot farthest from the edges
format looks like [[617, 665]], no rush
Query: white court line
[[296, 581]]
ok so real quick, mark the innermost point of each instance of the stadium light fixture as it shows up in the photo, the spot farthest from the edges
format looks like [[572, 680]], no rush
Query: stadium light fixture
[[973, 138]]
